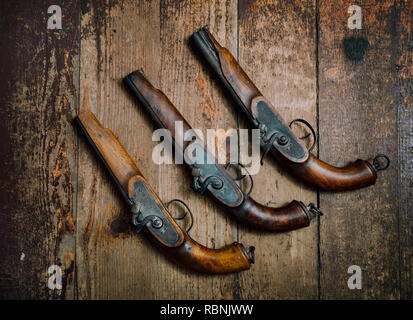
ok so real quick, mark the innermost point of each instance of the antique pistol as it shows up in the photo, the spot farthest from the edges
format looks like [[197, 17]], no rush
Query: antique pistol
[[275, 135], [212, 177], [149, 215]]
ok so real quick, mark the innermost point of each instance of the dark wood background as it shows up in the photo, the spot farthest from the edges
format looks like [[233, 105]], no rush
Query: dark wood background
[[59, 207]]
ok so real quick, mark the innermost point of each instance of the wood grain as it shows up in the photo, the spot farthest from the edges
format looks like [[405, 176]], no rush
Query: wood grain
[[60, 207], [358, 117], [182, 80], [242, 207], [109, 148], [403, 57], [39, 98], [277, 51], [112, 38], [306, 167], [128, 50], [182, 250]]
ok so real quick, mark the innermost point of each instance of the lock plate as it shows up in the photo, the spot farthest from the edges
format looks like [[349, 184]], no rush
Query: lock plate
[[209, 175], [271, 124], [151, 214]]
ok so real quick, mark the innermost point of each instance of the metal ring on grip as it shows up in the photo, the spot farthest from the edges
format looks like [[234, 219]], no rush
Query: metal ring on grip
[[185, 214], [378, 165], [310, 127]]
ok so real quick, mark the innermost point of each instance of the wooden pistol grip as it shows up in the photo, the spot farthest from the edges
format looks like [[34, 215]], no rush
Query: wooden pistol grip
[[194, 256], [290, 217], [319, 174], [313, 171], [187, 252]]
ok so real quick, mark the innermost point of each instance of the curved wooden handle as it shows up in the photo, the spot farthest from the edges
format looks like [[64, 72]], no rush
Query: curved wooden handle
[[194, 256], [313, 171], [290, 217], [319, 174], [187, 253]]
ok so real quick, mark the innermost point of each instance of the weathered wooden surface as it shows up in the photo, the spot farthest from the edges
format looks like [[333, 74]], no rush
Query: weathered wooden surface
[[403, 57], [358, 110], [278, 53], [163, 67], [183, 81], [110, 38], [39, 83], [59, 207]]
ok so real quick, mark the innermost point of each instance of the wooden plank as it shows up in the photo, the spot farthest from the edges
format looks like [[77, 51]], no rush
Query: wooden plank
[[277, 51], [113, 262], [39, 97], [403, 57], [194, 93], [47, 218], [358, 118], [116, 40]]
